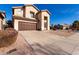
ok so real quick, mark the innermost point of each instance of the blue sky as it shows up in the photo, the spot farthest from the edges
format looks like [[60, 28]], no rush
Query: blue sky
[[60, 13]]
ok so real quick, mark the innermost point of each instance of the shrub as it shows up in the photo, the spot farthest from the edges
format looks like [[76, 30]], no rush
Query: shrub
[[7, 37]]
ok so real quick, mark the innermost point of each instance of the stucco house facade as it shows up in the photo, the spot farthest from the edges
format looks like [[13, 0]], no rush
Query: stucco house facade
[[2, 16], [29, 17]]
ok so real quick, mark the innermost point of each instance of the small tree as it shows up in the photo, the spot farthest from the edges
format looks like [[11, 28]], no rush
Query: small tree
[[75, 25], [9, 22], [60, 26], [51, 27], [55, 27]]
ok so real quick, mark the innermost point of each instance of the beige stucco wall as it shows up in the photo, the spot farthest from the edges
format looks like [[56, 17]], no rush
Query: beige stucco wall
[[48, 21], [4, 22], [42, 20], [39, 17], [15, 24], [0, 24], [18, 12], [27, 12]]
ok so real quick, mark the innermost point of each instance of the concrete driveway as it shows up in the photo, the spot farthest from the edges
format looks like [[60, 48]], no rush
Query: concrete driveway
[[47, 43]]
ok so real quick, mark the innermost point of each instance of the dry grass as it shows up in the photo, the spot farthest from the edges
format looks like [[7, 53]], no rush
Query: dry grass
[[7, 37]]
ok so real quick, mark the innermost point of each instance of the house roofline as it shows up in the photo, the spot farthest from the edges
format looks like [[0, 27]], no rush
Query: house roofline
[[26, 5], [32, 5], [2, 13], [44, 11], [17, 7]]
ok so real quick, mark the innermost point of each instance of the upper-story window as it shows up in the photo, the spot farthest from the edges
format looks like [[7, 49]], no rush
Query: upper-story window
[[45, 17], [32, 14], [19, 12]]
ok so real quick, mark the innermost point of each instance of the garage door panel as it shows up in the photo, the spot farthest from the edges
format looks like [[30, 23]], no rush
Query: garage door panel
[[26, 26]]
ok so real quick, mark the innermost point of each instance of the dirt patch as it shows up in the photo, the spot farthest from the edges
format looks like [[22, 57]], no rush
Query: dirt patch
[[20, 47], [7, 37]]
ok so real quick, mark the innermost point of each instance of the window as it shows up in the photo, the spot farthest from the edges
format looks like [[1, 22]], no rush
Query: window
[[45, 17], [19, 12], [32, 14]]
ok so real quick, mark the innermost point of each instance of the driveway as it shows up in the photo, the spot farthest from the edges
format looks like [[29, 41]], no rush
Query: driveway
[[47, 43]]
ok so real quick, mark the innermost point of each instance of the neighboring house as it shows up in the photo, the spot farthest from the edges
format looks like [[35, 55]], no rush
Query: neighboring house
[[2, 17], [29, 17], [4, 22], [65, 26]]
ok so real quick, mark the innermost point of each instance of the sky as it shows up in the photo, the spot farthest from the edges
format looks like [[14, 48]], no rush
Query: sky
[[60, 13]]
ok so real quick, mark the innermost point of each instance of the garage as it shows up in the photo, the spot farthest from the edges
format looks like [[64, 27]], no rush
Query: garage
[[26, 26]]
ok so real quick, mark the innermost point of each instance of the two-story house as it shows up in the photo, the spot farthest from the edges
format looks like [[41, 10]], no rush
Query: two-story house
[[29, 17]]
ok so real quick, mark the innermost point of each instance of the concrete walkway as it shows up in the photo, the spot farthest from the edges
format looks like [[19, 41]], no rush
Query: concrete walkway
[[43, 42]]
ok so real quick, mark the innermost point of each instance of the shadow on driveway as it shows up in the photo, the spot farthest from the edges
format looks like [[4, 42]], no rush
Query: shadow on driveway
[[48, 50]]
